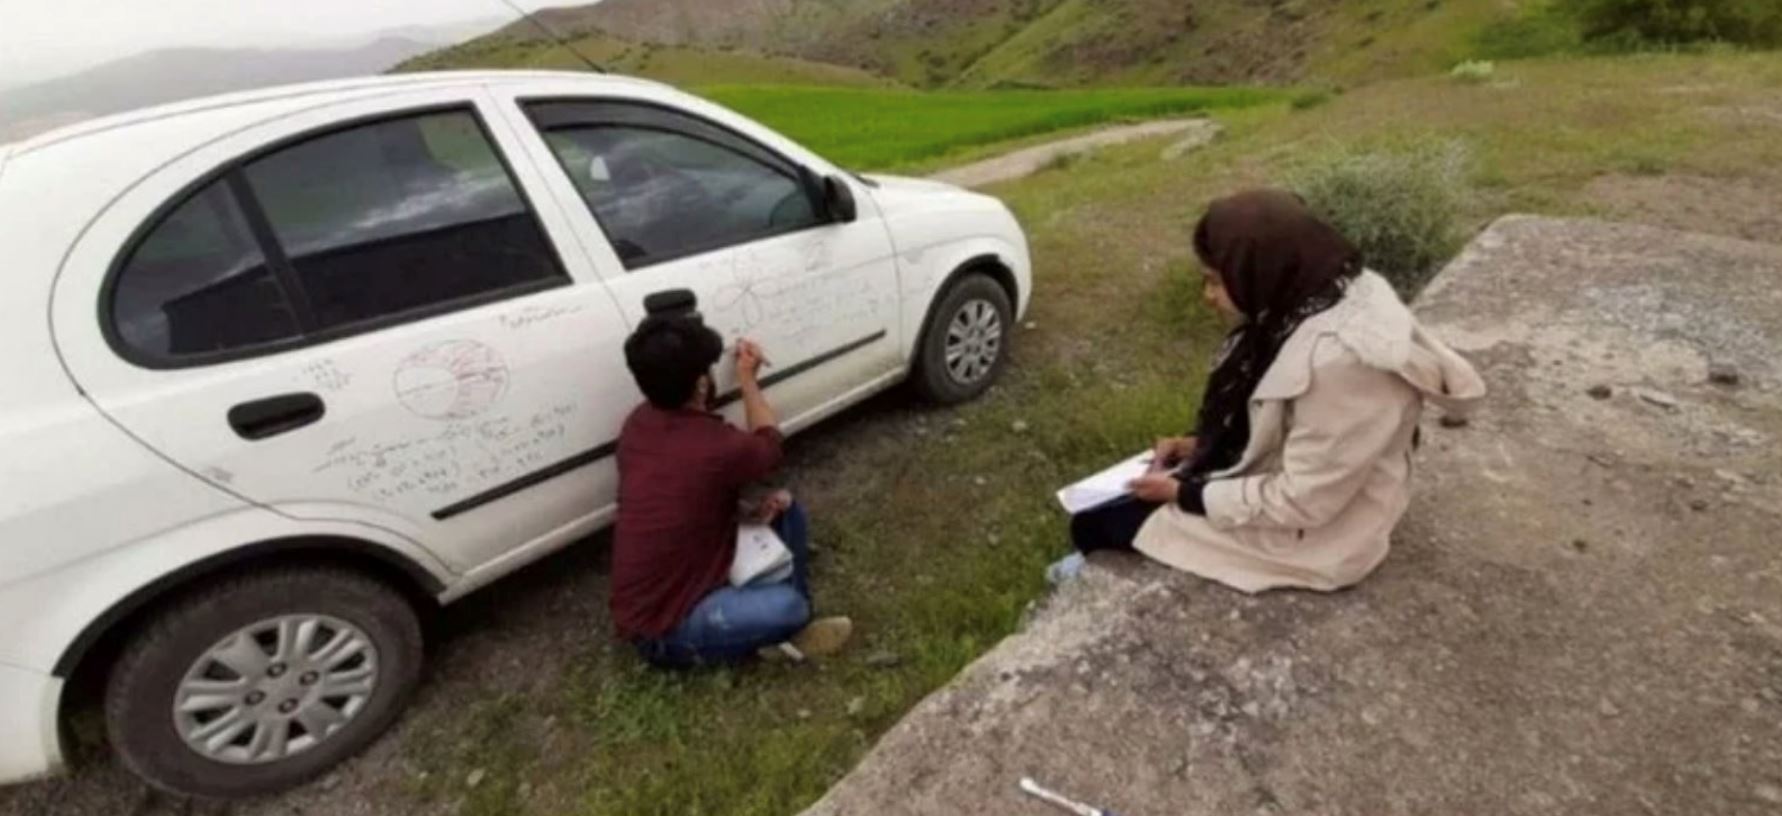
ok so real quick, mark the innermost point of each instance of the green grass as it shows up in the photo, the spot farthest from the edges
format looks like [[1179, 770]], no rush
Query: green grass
[[884, 129], [934, 525]]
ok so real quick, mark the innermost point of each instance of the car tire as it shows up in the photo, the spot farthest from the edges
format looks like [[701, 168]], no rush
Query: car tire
[[965, 344], [290, 651]]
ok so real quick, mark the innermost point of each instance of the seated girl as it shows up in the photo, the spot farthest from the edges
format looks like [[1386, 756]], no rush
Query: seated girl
[[1301, 465]]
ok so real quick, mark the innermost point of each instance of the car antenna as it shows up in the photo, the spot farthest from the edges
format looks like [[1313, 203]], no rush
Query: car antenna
[[553, 36]]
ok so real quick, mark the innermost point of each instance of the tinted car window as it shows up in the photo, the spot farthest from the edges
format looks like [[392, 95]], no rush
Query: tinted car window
[[661, 194], [198, 282], [399, 215]]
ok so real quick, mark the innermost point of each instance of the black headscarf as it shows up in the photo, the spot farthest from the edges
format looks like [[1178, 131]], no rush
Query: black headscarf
[[1281, 265]]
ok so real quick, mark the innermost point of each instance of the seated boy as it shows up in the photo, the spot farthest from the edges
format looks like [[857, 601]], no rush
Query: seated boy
[[682, 470]]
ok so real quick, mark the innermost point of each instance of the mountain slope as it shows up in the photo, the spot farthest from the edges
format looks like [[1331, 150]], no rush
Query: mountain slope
[[986, 43], [183, 73]]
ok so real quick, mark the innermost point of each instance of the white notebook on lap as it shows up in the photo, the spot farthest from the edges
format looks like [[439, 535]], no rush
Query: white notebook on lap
[[761, 557], [1105, 486]]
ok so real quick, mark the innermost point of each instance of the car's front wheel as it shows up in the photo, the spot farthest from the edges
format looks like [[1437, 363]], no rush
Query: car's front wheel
[[262, 681], [966, 343]]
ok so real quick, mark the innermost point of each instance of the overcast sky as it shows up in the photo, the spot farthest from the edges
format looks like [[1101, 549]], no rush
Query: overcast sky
[[40, 39]]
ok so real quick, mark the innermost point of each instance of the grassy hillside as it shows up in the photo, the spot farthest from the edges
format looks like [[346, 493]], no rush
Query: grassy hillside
[[1044, 43], [676, 65], [935, 525]]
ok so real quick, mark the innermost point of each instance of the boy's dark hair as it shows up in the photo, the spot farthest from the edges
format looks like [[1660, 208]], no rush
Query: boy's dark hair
[[668, 354]]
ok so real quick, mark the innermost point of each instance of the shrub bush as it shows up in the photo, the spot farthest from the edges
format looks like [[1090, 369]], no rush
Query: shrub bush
[[1400, 204], [1537, 31], [1312, 98], [1669, 22], [1473, 71]]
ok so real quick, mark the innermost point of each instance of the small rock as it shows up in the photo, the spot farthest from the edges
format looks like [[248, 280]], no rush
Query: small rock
[[525, 790], [1580, 544], [1601, 392], [804, 713], [475, 778], [1750, 705], [1454, 421], [1608, 709], [1252, 709], [979, 481], [1723, 374], [1018, 426], [332, 782], [1658, 398], [884, 660], [856, 706], [1031, 325], [1699, 505], [1769, 793], [960, 422]]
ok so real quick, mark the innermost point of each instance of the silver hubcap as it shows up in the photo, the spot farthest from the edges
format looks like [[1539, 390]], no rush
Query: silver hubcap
[[974, 341], [276, 688]]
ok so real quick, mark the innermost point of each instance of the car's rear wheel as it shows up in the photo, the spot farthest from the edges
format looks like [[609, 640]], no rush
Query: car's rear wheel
[[262, 681], [966, 343]]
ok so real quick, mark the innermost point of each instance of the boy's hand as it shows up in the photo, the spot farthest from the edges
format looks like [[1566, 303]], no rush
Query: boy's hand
[[772, 506], [748, 361]]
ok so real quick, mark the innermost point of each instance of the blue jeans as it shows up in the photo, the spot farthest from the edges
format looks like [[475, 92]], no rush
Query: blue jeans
[[732, 623]]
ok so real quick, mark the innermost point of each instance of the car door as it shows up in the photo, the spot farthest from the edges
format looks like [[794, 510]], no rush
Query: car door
[[698, 201], [358, 313]]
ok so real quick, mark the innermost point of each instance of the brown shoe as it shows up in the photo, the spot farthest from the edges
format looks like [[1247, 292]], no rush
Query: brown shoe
[[820, 638], [824, 636]]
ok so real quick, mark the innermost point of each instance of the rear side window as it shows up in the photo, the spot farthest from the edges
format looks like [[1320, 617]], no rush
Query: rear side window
[[359, 227], [199, 283]]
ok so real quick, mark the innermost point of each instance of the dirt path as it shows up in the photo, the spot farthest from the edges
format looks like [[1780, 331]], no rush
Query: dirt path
[[1023, 163]]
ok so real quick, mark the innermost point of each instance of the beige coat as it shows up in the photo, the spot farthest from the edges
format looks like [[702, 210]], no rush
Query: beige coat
[[1326, 474]]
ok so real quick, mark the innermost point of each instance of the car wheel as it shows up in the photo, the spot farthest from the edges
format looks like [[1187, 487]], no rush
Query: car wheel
[[966, 342], [262, 681]]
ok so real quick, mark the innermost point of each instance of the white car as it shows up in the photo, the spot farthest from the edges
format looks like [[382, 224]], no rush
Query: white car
[[281, 369]]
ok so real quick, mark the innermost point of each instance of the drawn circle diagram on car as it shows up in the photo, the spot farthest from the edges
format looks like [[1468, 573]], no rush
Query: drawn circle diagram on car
[[452, 379]]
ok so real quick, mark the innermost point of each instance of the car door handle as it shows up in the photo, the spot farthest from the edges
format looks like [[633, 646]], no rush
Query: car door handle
[[272, 416]]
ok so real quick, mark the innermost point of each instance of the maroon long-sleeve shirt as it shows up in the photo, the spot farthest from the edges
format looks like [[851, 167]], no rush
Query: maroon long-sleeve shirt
[[680, 475]]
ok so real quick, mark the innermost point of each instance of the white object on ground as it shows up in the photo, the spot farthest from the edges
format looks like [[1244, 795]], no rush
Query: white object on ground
[[1032, 788]]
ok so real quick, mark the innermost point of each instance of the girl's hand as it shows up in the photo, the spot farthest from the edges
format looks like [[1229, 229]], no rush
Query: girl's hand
[[1171, 451], [1157, 488]]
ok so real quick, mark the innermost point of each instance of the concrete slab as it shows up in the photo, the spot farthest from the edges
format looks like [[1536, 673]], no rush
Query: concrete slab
[[1582, 614]]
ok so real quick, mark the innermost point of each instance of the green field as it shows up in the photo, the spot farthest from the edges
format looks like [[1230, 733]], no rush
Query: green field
[[876, 129]]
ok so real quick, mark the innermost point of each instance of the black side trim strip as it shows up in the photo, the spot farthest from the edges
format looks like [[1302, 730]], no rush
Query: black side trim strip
[[502, 491], [586, 458], [791, 371]]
